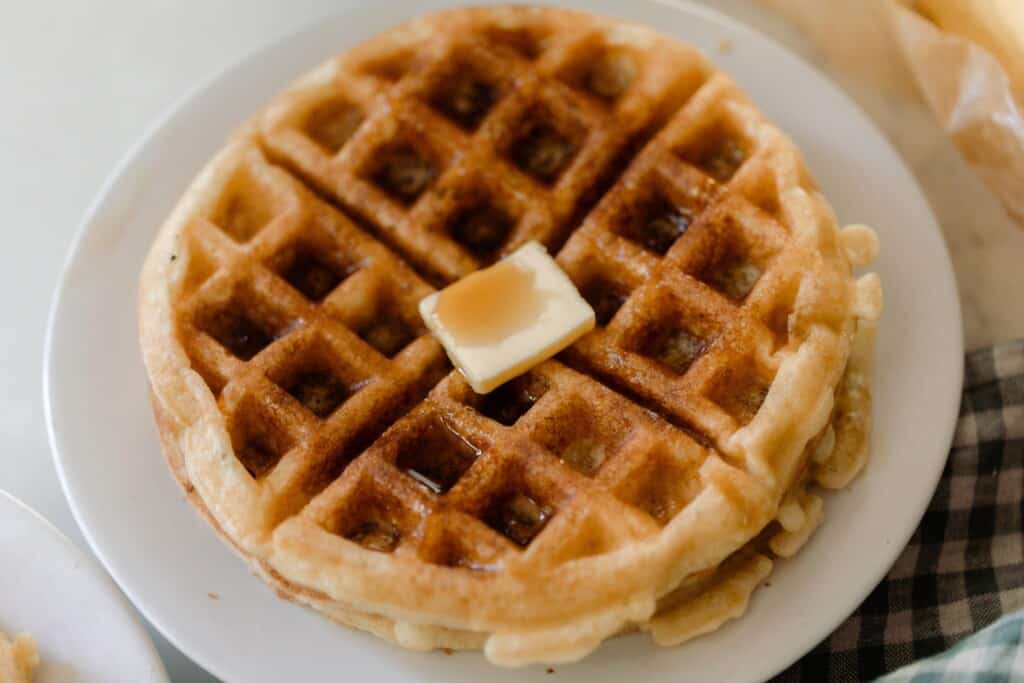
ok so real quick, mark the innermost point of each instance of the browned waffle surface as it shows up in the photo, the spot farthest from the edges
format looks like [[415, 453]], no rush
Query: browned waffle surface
[[322, 431], [503, 127]]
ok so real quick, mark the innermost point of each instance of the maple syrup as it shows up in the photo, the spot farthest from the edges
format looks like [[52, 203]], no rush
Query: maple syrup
[[491, 304]]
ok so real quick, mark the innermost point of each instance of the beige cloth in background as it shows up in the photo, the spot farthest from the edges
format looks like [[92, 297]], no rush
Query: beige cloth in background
[[888, 46], [905, 73], [996, 25]]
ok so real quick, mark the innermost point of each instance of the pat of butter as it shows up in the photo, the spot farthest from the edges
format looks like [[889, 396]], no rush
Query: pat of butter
[[499, 322]]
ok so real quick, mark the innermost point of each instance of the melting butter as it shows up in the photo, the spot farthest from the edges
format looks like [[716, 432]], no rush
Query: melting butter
[[499, 322], [490, 305]]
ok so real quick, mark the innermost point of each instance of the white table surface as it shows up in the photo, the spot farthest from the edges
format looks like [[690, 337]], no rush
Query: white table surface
[[80, 82]]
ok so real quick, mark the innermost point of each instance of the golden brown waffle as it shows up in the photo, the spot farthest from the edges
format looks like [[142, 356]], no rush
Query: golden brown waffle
[[18, 658], [643, 478]]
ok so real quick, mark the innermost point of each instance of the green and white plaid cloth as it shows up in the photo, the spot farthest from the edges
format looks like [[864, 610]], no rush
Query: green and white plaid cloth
[[993, 655], [952, 606]]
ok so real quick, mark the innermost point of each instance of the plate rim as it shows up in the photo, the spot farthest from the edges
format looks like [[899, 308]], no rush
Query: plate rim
[[808, 640]]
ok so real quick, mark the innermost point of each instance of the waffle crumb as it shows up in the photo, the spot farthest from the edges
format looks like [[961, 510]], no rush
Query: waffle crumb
[[18, 658]]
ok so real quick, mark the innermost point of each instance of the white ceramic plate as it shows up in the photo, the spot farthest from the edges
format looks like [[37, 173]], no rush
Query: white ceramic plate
[[168, 561], [85, 630]]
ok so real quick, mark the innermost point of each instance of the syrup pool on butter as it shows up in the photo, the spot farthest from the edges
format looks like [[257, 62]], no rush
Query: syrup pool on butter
[[499, 322]]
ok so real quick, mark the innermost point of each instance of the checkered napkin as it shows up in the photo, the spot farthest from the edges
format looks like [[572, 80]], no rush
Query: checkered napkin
[[964, 567]]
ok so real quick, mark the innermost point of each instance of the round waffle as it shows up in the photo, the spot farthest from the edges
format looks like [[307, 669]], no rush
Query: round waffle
[[642, 479]]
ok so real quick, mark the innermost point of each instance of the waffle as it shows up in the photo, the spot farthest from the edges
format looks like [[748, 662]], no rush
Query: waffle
[[645, 477], [18, 658]]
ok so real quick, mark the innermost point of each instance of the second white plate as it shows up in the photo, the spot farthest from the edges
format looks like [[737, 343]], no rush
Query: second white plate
[[198, 594], [85, 630]]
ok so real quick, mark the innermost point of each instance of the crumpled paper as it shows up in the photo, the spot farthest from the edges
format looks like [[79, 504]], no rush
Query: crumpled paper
[[887, 44]]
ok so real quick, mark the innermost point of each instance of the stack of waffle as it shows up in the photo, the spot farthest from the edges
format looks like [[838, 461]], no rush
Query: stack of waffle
[[648, 476]]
